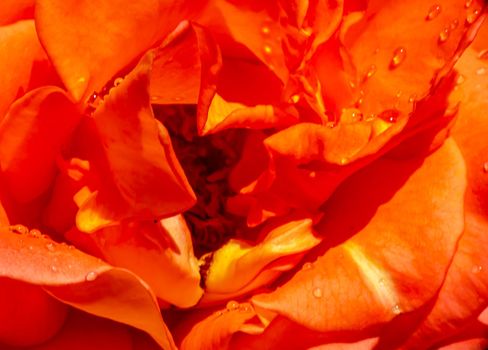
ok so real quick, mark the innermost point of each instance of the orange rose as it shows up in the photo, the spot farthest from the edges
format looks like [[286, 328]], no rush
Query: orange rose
[[263, 174]]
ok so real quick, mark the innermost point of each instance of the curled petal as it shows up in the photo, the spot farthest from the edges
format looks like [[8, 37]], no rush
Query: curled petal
[[169, 266], [371, 266], [132, 157], [32, 135], [239, 267], [19, 43], [82, 281]]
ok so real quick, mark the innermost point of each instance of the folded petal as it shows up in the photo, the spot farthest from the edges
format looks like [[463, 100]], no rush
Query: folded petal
[[169, 266], [90, 42], [82, 281], [32, 136], [240, 267], [400, 230], [132, 157], [177, 68], [19, 43]]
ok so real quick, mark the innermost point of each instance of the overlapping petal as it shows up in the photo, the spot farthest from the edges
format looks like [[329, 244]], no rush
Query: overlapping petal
[[81, 281], [32, 136], [19, 43], [371, 269], [137, 171], [169, 266], [90, 42]]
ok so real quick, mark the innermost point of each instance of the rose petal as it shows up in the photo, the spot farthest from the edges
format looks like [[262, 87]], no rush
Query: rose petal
[[408, 43], [82, 281], [15, 10], [90, 42], [239, 267], [204, 330], [83, 331], [28, 316], [169, 266], [132, 157], [19, 43], [32, 135], [378, 272], [177, 68], [465, 290]]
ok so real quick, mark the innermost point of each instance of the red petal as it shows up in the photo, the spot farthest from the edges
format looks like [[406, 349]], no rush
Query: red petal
[[82, 281], [19, 44], [15, 10], [28, 314], [83, 331], [378, 271], [132, 156], [90, 42], [32, 135]]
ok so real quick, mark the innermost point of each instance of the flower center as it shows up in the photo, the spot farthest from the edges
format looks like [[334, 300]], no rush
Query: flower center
[[207, 162]]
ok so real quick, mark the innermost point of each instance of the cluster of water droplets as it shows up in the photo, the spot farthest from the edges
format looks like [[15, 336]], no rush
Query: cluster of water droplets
[[233, 305], [50, 246]]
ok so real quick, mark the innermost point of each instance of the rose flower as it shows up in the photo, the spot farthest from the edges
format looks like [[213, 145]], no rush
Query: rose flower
[[229, 174]]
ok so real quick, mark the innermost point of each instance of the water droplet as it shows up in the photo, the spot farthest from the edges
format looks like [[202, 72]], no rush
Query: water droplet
[[472, 16], [20, 229], [54, 268], [118, 81], [91, 276], [483, 55], [412, 98], [31, 247], [317, 292], [390, 115], [70, 266], [399, 56], [232, 305], [307, 31], [265, 30], [35, 233], [344, 160], [396, 309], [434, 11], [295, 98], [476, 269], [267, 50], [398, 94], [468, 3], [307, 266], [444, 35], [155, 98], [245, 308], [331, 125], [454, 24], [50, 247], [460, 79], [93, 97], [312, 174], [485, 167], [481, 71], [370, 72]]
